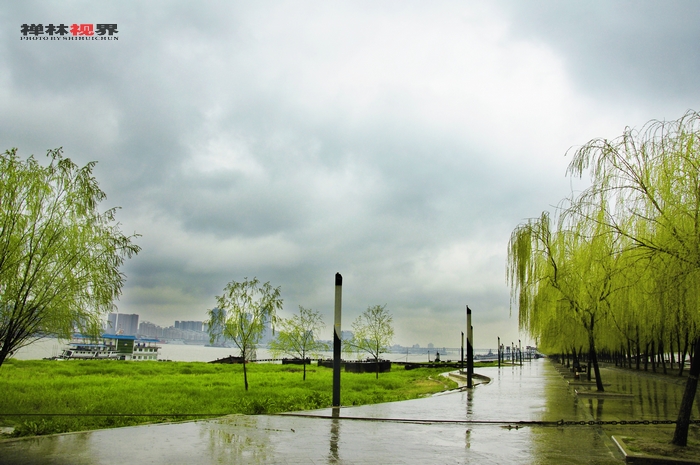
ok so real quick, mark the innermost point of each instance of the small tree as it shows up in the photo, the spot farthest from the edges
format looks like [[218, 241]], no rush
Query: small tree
[[297, 336], [372, 333], [59, 256], [242, 313]]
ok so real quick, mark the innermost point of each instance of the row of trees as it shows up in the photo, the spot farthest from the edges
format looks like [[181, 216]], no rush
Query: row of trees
[[245, 308], [617, 267]]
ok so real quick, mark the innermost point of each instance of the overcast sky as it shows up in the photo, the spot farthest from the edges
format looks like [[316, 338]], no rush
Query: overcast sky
[[398, 143]]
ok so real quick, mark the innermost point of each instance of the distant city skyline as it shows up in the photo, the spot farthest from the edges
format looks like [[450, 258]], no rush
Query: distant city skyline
[[196, 331]]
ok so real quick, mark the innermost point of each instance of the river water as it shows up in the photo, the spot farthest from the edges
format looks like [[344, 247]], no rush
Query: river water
[[50, 347]]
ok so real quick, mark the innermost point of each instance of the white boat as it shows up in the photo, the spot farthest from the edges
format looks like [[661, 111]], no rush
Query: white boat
[[110, 346], [87, 351]]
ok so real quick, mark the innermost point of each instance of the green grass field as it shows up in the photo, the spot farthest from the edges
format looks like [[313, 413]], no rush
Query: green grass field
[[84, 390]]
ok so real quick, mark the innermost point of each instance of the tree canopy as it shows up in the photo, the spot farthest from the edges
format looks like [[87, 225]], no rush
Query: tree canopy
[[59, 255], [373, 332], [242, 313], [625, 252], [297, 336], [649, 184]]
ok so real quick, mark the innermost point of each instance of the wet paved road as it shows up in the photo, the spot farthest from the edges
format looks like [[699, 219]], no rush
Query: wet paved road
[[534, 392]]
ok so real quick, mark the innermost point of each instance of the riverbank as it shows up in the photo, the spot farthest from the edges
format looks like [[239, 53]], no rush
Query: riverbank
[[47, 397]]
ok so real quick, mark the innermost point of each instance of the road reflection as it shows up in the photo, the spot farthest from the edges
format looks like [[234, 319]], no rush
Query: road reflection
[[335, 436]]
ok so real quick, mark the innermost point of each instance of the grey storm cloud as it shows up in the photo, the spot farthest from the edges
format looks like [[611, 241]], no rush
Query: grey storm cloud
[[634, 48], [398, 143]]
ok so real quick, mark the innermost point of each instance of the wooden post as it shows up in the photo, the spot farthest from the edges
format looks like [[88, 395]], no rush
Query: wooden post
[[337, 340], [520, 352], [461, 365], [470, 349]]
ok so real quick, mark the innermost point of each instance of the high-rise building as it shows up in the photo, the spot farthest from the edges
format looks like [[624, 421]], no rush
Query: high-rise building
[[216, 328], [122, 323], [148, 329], [111, 324], [189, 325]]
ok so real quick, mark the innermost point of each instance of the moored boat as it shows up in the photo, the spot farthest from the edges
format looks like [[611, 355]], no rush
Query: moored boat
[[110, 346]]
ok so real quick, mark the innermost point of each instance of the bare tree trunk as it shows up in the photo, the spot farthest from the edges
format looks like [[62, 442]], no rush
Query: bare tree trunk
[[670, 344], [680, 435], [678, 341], [594, 361], [593, 358], [685, 351], [661, 354], [245, 374], [629, 353], [3, 355], [638, 354], [590, 362], [646, 357]]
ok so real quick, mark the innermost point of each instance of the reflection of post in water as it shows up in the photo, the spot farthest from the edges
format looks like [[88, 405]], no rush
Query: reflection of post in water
[[335, 434], [470, 404], [598, 414]]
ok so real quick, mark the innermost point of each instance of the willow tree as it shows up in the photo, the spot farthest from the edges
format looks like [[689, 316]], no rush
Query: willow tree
[[373, 332], [632, 306], [242, 313], [59, 255], [563, 273], [297, 336], [649, 181]]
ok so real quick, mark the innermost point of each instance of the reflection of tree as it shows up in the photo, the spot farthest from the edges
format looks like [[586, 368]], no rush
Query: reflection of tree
[[560, 444], [239, 441]]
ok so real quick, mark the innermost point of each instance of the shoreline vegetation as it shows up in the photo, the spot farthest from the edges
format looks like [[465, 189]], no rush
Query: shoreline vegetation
[[76, 395]]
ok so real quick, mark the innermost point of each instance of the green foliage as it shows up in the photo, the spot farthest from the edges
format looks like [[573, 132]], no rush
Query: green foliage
[[648, 183], [118, 389], [563, 278], [297, 336], [59, 256], [623, 261], [373, 332], [241, 314]]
